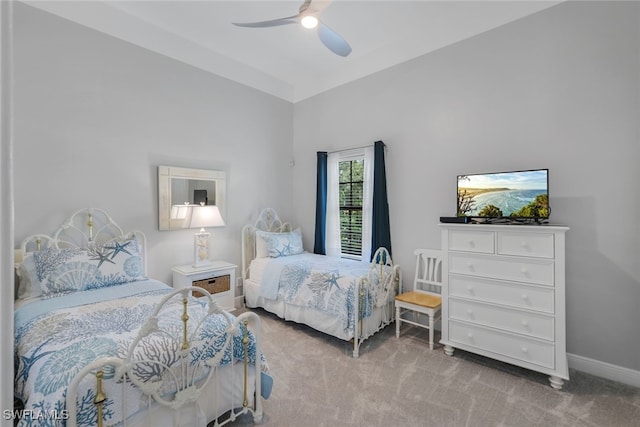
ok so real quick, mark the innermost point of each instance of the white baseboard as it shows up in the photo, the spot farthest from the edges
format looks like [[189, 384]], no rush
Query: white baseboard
[[604, 370]]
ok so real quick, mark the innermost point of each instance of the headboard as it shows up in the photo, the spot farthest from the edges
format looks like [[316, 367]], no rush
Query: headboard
[[268, 220], [84, 229]]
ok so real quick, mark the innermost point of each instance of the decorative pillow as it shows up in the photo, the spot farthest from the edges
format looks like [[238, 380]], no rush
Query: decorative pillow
[[281, 244], [59, 271]]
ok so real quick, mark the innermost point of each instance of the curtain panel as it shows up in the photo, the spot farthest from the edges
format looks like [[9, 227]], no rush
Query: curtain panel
[[319, 245], [381, 234]]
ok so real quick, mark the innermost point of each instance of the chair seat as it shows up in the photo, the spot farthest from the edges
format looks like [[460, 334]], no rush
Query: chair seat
[[421, 299]]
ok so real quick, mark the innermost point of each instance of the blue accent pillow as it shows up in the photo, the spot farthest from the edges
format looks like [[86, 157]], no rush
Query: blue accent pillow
[[60, 271], [282, 244]]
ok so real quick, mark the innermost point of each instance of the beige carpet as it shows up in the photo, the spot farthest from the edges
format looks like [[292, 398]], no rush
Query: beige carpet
[[399, 382]]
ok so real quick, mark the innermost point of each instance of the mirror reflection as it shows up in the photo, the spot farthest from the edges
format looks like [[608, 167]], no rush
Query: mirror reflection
[[183, 186]]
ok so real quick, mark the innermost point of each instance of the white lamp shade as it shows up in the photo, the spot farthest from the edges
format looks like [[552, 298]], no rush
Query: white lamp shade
[[201, 216]]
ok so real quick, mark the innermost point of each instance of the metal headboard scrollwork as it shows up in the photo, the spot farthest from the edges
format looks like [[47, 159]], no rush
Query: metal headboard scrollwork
[[84, 229]]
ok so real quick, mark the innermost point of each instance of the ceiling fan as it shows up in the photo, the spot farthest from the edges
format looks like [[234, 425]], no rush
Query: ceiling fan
[[308, 16]]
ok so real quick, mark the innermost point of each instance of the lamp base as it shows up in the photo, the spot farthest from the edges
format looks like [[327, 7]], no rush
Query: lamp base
[[201, 249]]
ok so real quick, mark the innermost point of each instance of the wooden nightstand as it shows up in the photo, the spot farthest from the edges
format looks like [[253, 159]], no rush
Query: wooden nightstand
[[219, 279]]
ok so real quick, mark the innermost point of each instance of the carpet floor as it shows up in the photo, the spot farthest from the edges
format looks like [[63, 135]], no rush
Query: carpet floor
[[400, 382]]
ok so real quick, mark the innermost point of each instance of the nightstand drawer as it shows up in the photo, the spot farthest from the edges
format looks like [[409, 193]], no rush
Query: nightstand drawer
[[214, 284]]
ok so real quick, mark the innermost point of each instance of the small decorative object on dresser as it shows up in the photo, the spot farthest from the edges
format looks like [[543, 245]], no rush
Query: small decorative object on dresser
[[503, 295], [218, 278]]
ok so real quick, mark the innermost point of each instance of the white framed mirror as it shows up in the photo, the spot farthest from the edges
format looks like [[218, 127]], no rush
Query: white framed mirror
[[177, 186]]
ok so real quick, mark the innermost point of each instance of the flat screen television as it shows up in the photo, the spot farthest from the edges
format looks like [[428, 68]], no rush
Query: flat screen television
[[520, 196]]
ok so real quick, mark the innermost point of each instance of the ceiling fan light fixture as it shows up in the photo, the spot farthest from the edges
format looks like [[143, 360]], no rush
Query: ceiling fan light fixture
[[309, 21], [308, 17]]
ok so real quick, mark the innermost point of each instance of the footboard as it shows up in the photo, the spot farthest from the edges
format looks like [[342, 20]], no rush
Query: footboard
[[374, 296], [190, 364]]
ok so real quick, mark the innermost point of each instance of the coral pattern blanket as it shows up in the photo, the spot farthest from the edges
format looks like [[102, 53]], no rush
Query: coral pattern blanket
[[56, 337]]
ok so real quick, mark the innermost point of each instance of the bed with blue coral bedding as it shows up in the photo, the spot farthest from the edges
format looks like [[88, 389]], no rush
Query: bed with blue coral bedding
[[345, 298], [109, 344], [322, 283]]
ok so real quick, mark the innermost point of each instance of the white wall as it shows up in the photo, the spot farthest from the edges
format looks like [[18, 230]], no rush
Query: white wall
[[558, 90], [95, 116]]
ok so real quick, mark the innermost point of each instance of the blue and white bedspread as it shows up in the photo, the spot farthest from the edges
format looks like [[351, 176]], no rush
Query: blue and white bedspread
[[321, 282], [56, 337]]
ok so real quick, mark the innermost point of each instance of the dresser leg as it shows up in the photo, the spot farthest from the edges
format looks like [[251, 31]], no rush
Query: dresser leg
[[448, 350], [556, 382]]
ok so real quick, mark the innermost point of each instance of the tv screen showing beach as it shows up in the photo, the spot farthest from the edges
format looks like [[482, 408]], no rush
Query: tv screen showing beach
[[522, 194]]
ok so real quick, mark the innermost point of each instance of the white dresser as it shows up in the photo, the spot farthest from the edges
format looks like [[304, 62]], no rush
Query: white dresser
[[503, 294]]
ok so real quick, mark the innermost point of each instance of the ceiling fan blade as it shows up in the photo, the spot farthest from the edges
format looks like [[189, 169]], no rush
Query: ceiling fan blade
[[271, 23], [305, 6], [333, 40]]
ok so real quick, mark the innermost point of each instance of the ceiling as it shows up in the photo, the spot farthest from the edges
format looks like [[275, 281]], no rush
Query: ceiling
[[289, 61]]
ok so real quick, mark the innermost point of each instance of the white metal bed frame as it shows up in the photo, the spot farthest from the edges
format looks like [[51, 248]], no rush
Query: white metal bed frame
[[364, 327], [92, 226]]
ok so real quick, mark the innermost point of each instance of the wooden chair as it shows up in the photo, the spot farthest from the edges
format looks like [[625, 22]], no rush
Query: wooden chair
[[425, 297]]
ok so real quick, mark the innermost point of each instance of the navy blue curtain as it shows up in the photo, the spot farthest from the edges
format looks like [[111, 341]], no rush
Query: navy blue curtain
[[381, 232], [319, 245]]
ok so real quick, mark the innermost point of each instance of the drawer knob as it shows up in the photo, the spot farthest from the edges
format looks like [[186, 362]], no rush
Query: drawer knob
[[470, 265], [525, 323], [469, 335], [525, 297], [470, 289], [524, 349], [524, 244], [524, 270], [470, 312], [472, 244]]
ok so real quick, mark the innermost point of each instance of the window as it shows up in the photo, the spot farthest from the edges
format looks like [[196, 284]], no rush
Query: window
[[349, 203], [350, 191]]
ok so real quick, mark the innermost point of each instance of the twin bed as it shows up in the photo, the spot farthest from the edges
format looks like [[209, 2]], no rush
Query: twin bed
[[348, 299], [98, 343]]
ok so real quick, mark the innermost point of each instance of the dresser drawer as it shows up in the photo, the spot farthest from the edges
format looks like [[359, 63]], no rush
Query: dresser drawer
[[512, 294], [513, 346], [539, 245], [522, 270], [518, 321], [471, 241]]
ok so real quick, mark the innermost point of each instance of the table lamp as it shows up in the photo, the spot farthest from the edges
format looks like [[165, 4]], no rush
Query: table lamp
[[201, 216]]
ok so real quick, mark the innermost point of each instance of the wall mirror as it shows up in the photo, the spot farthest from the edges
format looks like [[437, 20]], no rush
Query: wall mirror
[[177, 186]]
